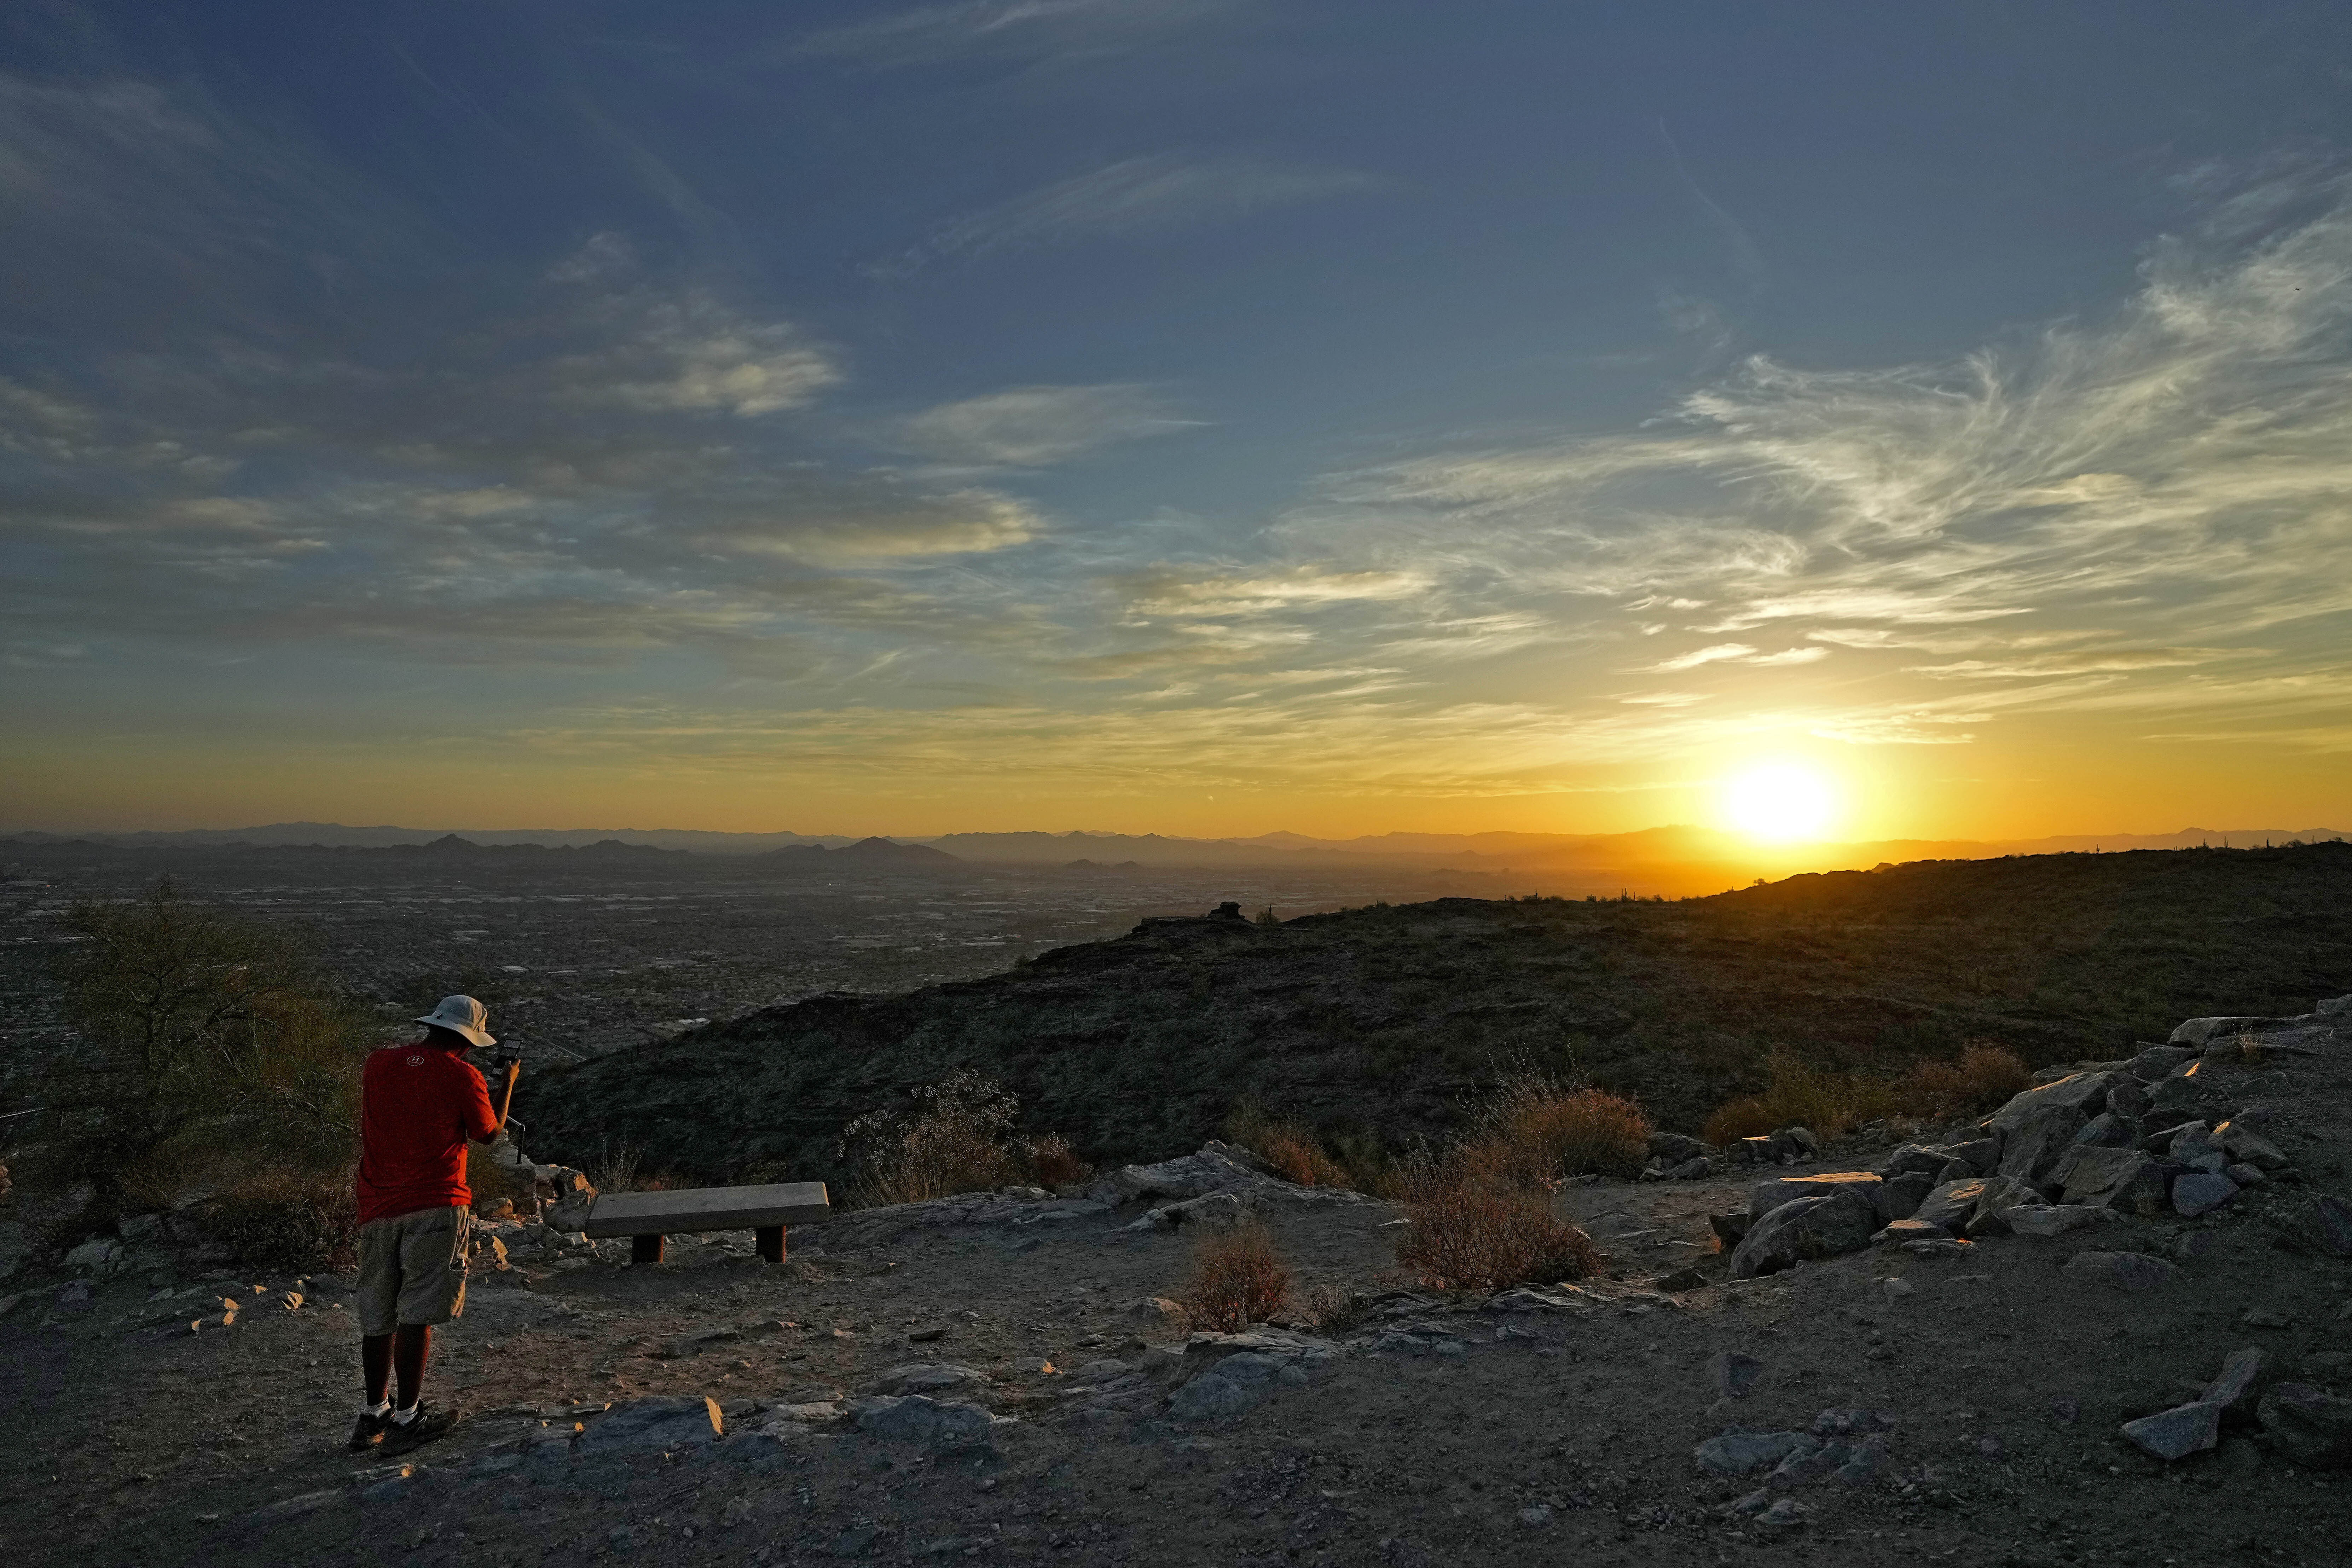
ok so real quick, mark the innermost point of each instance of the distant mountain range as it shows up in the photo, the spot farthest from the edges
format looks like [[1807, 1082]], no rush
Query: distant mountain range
[[1675, 858]]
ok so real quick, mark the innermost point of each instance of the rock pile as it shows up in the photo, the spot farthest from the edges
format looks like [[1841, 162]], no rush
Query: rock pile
[[2149, 1135]]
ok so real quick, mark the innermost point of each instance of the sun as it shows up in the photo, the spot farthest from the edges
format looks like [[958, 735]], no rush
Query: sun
[[1780, 801]]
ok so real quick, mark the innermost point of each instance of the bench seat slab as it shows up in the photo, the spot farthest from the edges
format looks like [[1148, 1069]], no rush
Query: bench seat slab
[[708, 1208]]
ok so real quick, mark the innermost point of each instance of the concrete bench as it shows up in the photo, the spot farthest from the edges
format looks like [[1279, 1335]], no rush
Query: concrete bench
[[645, 1217]]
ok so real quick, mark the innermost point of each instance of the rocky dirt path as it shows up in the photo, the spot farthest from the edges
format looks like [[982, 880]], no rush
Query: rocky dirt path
[[1980, 1395]]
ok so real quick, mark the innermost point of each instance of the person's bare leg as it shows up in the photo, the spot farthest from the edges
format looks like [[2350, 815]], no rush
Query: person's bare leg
[[375, 1367], [409, 1349]]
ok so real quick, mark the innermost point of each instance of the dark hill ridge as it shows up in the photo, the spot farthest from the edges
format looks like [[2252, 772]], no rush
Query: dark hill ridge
[[1377, 1019], [865, 852]]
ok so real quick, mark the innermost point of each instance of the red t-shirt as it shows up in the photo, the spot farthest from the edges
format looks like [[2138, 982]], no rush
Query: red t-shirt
[[418, 1105]]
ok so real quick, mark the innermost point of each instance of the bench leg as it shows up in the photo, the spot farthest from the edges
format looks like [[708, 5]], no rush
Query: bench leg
[[772, 1243], [645, 1249]]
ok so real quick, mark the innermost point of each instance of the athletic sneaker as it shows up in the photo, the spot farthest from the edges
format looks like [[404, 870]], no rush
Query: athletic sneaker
[[399, 1437], [365, 1431]]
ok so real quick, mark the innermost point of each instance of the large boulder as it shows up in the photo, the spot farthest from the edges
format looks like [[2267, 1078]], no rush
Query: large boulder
[[1952, 1204], [2092, 1175], [2037, 1144], [1766, 1196], [930, 1422], [2084, 1093], [1806, 1229], [2308, 1425]]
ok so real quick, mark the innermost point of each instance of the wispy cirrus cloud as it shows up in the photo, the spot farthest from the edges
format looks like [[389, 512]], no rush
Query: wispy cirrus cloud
[[2103, 507], [1036, 427], [1018, 28], [1147, 194]]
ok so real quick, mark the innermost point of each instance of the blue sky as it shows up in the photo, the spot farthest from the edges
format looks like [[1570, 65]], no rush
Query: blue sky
[[1209, 414]]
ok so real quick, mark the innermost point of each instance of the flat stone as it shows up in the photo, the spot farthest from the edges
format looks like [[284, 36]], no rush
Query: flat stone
[[2199, 1192], [1738, 1453], [2048, 1220], [928, 1377], [2307, 1425], [1902, 1231], [1734, 1375], [2125, 1270], [1766, 1196], [2177, 1433], [2157, 1062]]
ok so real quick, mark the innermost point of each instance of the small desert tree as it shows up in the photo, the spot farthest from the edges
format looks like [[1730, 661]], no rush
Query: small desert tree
[[202, 1028]]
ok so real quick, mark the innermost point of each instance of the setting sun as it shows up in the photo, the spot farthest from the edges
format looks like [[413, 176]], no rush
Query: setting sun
[[1779, 801]]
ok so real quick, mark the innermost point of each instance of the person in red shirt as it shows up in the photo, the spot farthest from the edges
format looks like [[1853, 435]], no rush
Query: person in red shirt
[[419, 1104]]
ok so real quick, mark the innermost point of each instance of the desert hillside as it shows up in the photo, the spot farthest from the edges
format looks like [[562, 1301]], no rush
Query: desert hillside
[[1376, 1020]]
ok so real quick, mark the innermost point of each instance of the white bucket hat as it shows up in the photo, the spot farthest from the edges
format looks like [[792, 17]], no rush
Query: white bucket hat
[[462, 1015]]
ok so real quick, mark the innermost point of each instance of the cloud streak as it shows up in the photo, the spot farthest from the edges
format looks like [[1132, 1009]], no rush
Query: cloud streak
[[1155, 193]]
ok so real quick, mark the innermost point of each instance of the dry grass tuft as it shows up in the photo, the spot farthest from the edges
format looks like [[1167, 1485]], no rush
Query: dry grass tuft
[[1832, 1103], [1468, 1235], [1535, 1131], [1330, 1307], [291, 1220], [1238, 1278], [1054, 1163], [1291, 1151], [1982, 1079]]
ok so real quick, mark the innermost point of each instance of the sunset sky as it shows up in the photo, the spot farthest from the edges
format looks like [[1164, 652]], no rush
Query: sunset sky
[[1207, 417]]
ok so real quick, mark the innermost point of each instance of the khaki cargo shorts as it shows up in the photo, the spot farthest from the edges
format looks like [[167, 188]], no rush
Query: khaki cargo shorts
[[413, 1268]]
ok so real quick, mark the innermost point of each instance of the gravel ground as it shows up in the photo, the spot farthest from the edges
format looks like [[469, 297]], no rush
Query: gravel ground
[[1464, 1434]]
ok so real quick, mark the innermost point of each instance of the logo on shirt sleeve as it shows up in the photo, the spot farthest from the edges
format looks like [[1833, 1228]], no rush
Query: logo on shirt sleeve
[[418, 1060]]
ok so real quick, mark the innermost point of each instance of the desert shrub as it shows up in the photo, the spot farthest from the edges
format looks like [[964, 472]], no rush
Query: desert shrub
[[1290, 1151], [1238, 1278], [957, 1137], [286, 1219], [1982, 1079], [1534, 1129], [1053, 1162], [1463, 1233], [1828, 1101]]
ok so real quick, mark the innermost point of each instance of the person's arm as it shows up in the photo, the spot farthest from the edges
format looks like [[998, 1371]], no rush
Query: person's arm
[[479, 1116]]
